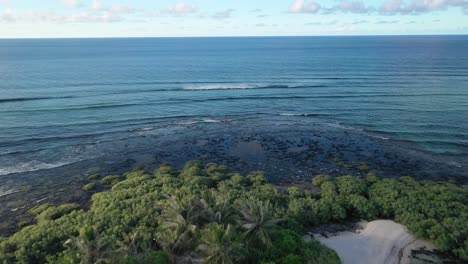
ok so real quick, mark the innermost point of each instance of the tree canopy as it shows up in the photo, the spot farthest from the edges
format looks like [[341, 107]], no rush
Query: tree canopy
[[203, 212]]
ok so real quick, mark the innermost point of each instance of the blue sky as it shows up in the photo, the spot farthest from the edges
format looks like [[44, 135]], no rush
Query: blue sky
[[168, 18]]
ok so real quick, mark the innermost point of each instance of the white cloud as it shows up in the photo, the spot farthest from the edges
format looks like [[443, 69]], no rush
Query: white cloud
[[223, 14], [7, 16], [122, 9], [97, 5], [388, 7], [345, 6], [266, 25], [391, 6], [322, 23], [96, 13], [181, 9], [420, 6], [301, 6], [72, 3], [344, 29], [358, 22], [387, 22], [351, 7]]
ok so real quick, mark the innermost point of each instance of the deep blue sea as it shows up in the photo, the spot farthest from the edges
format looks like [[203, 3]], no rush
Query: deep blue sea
[[67, 100]]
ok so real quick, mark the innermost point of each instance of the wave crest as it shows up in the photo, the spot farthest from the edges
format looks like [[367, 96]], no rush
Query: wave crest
[[33, 165], [240, 86], [292, 114], [203, 121]]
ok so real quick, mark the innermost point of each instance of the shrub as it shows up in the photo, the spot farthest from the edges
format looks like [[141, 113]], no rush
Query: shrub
[[110, 180], [160, 257], [372, 178], [363, 166], [351, 185], [39, 209], [53, 212], [89, 187], [23, 223], [192, 168], [317, 181], [136, 173], [257, 178], [94, 176]]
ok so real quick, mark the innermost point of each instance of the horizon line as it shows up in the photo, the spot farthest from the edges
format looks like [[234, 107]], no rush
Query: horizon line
[[241, 36]]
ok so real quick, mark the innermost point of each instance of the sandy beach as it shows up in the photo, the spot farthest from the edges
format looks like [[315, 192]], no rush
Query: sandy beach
[[380, 241]]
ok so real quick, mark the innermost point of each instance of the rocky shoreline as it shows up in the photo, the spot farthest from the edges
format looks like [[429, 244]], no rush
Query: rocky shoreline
[[289, 152]]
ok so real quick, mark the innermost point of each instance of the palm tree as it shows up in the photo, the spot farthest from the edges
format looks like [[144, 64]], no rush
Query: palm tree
[[178, 222], [219, 209], [89, 246], [128, 245], [259, 221], [221, 245], [177, 235]]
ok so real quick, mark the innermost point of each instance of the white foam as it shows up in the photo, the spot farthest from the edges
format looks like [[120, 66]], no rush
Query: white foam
[[211, 121], [221, 87], [6, 192], [33, 165], [337, 125], [291, 114], [380, 137], [202, 121]]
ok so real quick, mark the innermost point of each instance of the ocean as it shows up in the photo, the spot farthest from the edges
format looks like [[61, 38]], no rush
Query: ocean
[[64, 101]]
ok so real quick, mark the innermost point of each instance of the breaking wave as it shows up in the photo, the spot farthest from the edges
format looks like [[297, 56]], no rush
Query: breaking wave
[[33, 165], [244, 86], [292, 114]]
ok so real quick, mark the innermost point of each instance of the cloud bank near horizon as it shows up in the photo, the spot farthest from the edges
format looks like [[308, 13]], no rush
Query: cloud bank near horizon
[[388, 7], [295, 17]]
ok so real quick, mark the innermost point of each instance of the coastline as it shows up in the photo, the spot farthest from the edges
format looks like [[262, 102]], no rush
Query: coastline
[[290, 152]]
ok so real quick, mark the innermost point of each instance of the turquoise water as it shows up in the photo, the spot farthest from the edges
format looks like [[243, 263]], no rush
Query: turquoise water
[[61, 99]]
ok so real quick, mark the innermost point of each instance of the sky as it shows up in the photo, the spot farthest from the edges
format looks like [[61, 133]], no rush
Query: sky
[[187, 18]]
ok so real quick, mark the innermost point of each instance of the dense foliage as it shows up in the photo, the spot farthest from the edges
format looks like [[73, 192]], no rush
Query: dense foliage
[[199, 213], [204, 213]]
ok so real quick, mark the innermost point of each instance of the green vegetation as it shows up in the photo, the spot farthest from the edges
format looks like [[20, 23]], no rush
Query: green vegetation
[[23, 223], [110, 180], [363, 166], [206, 213], [89, 187], [94, 176]]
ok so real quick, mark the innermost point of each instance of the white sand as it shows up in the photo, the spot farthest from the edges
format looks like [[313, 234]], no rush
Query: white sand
[[381, 241]]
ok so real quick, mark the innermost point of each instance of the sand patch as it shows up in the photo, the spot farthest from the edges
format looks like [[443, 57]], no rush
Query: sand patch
[[380, 241]]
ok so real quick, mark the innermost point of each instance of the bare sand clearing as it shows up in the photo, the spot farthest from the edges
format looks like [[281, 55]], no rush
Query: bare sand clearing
[[380, 241]]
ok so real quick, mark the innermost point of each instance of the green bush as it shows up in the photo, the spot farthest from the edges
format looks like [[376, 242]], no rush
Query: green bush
[[363, 166], [89, 187], [39, 209], [94, 176], [372, 178], [136, 173], [351, 185], [257, 178], [160, 257], [320, 179], [23, 223], [110, 180], [53, 212]]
